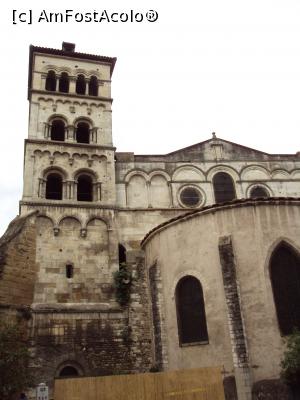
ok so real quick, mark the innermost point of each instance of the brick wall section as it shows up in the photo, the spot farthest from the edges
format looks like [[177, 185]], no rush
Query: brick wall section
[[235, 319], [17, 261], [139, 323], [153, 282]]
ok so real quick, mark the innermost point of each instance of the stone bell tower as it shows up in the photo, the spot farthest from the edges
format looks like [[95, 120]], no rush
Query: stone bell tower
[[77, 326], [69, 154], [69, 174]]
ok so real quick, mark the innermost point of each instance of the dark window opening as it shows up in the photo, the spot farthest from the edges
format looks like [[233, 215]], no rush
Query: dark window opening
[[122, 254], [57, 130], [51, 81], [258, 191], [190, 311], [93, 86], [64, 83], [69, 271], [83, 133], [223, 187], [80, 84], [84, 188], [285, 278], [54, 187], [190, 197], [68, 371]]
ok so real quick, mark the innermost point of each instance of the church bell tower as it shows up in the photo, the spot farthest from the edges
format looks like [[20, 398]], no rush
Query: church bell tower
[[69, 175]]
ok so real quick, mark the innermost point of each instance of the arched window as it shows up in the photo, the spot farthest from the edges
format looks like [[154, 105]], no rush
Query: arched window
[[64, 83], [285, 278], [190, 311], [68, 371], [51, 81], [80, 84], [122, 254], [93, 86], [83, 132], [258, 191], [84, 188], [57, 131], [223, 187], [54, 187]]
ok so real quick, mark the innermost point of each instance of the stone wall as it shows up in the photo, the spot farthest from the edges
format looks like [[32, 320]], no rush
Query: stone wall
[[18, 268]]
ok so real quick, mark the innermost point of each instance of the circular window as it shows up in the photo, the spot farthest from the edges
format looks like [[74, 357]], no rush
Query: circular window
[[190, 197]]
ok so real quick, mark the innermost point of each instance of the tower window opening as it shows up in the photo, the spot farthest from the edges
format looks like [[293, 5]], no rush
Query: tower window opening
[[69, 271], [122, 254], [57, 130], [223, 187], [93, 86], [84, 188], [83, 133], [54, 187], [80, 84], [64, 83], [51, 81]]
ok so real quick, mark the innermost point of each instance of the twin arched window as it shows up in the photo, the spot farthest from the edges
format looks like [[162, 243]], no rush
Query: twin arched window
[[58, 130], [190, 309], [285, 279], [64, 80], [54, 187]]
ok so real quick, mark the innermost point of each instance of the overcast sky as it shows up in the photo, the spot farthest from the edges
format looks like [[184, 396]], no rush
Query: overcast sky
[[231, 66]]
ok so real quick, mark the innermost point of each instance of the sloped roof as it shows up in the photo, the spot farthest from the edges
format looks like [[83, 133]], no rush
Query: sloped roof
[[73, 54], [221, 206]]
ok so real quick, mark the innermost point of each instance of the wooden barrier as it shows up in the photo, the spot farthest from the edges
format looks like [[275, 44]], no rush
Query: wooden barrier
[[189, 384]]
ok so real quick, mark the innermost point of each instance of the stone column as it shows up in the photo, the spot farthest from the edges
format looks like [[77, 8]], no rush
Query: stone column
[[72, 85], [235, 319], [171, 194], [149, 196]]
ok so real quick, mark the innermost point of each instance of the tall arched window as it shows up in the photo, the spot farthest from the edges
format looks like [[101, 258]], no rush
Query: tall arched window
[[285, 278], [93, 86], [258, 191], [80, 84], [223, 187], [57, 131], [54, 187], [64, 83], [51, 81], [190, 311], [84, 188], [83, 132]]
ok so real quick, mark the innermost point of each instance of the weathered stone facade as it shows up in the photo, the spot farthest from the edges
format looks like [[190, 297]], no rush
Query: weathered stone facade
[[82, 200]]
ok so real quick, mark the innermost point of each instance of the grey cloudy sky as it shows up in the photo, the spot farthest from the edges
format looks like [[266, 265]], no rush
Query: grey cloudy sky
[[232, 67]]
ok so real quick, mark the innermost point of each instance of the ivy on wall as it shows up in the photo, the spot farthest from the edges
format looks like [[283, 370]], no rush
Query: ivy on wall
[[123, 280]]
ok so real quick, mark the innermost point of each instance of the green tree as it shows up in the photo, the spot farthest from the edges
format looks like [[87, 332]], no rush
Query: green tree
[[14, 357], [290, 365]]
